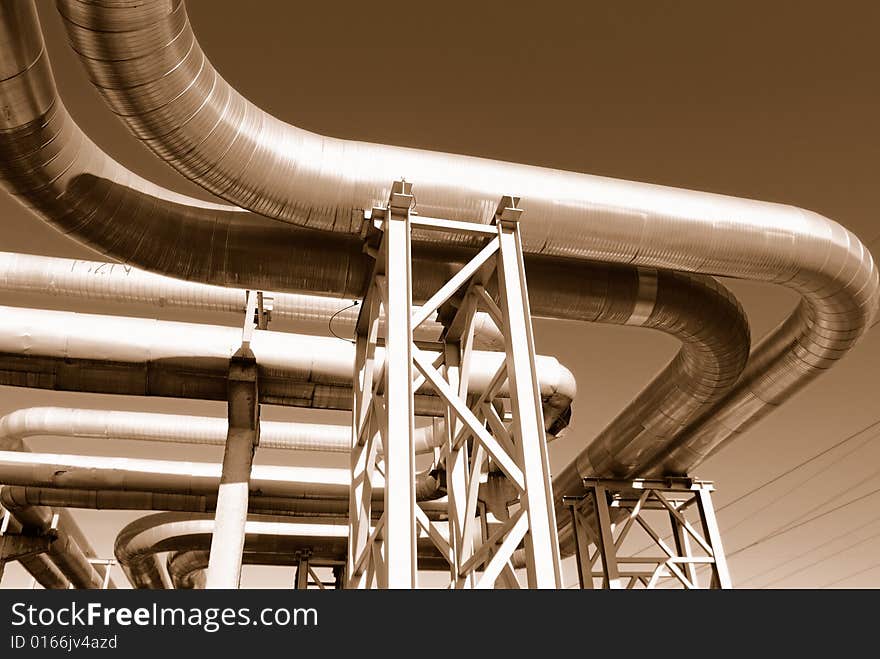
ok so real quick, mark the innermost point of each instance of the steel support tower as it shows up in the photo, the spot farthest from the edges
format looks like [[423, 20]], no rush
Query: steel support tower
[[612, 508], [493, 451]]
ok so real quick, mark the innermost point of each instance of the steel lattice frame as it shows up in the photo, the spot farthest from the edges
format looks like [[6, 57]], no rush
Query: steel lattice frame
[[611, 508], [494, 448]]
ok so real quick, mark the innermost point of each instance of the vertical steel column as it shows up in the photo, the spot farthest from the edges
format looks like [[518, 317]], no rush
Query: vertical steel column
[[458, 348], [400, 530], [301, 581], [720, 573], [607, 550], [683, 548], [227, 544], [541, 542], [363, 452], [582, 548]]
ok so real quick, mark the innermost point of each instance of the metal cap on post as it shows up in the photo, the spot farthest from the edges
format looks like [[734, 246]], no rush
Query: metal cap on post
[[508, 210]]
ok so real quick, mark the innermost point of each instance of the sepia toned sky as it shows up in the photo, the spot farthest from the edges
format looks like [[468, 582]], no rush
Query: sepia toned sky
[[775, 101]]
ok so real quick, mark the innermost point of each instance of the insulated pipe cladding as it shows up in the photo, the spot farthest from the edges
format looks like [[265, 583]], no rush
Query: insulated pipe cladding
[[120, 283], [151, 71], [134, 356], [55, 169], [711, 358], [149, 67], [268, 540], [181, 429]]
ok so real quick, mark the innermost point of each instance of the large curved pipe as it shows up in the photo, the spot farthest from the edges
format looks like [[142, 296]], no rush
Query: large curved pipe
[[20, 424], [52, 167], [135, 356], [150, 69], [138, 544]]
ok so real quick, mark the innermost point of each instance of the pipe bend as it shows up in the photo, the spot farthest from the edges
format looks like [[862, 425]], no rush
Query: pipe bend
[[138, 544], [568, 215], [258, 162]]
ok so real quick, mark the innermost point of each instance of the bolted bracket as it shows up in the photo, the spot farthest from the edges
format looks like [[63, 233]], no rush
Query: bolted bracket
[[243, 393], [14, 547], [508, 210]]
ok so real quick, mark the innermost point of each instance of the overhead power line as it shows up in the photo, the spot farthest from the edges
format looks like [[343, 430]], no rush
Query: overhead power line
[[822, 560], [870, 568], [791, 559], [783, 531], [800, 465]]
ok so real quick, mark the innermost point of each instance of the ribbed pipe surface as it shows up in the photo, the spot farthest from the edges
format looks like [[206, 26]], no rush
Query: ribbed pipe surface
[[20, 424], [150, 69], [52, 167], [78, 279], [111, 354]]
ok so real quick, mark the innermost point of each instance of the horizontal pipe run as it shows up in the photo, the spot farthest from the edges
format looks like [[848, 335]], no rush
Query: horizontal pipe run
[[110, 499], [77, 279], [21, 424], [110, 354]]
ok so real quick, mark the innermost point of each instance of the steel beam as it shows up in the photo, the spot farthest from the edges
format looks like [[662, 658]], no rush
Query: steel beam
[[720, 573], [542, 549], [400, 497]]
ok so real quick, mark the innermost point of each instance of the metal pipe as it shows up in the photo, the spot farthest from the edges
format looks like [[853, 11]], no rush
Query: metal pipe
[[64, 552], [52, 167], [170, 476], [110, 354], [40, 566], [267, 482], [266, 539], [230, 517], [151, 71], [185, 568], [138, 543], [19, 425], [125, 284], [178, 501]]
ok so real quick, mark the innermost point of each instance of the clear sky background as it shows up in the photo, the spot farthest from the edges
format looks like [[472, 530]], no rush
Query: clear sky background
[[775, 101]]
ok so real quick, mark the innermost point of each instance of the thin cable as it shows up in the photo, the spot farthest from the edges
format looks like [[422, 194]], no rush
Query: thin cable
[[819, 506], [822, 560], [791, 559], [870, 568], [330, 322], [776, 534], [801, 483], [785, 473]]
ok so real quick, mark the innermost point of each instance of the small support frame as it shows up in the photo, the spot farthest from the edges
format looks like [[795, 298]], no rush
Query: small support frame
[[495, 433], [611, 509]]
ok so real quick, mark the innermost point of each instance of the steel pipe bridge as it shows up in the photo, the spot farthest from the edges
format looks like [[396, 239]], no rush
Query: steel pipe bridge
[[427, 269]]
